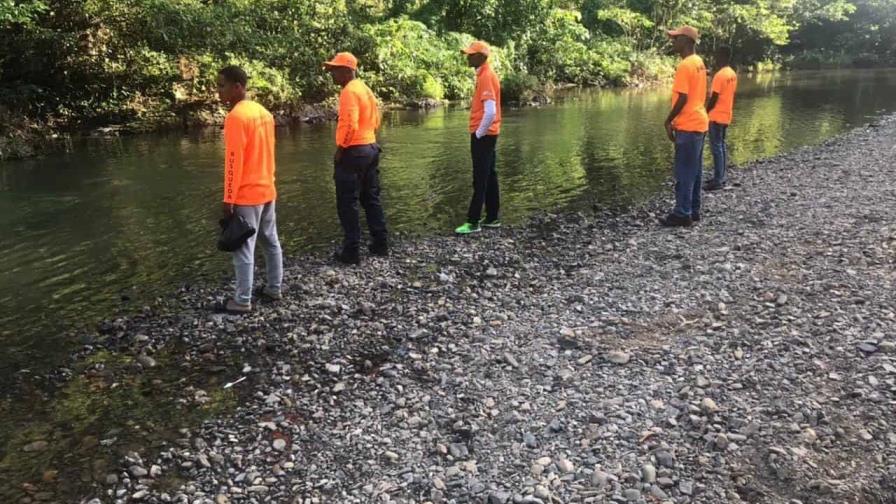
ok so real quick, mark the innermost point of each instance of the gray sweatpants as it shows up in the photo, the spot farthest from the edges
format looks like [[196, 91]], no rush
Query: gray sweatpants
[[264, 219]]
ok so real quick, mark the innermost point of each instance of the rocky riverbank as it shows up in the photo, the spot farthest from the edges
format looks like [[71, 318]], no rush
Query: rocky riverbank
[[581, 358]]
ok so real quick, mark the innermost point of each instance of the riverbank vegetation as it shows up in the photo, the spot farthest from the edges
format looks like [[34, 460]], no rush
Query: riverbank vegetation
[[80, 64]]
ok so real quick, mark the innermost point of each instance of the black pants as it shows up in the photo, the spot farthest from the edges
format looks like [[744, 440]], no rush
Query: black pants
[[485, 179], [357, 177]]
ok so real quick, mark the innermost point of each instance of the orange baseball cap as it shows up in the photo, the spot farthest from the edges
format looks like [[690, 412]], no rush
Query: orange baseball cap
[[478, 47], [687, 31], [343, 59]]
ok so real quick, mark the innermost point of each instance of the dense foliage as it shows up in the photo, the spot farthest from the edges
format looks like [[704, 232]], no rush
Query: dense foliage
[[88, 62]]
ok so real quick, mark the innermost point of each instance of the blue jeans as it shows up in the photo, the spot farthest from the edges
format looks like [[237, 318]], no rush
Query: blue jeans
[[688, 172], [717, 134]]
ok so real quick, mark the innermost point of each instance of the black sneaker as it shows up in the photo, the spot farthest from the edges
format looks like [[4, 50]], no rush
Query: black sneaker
[[674, 220], [695, 217], [712, 185], [347, 257], [380, 249]]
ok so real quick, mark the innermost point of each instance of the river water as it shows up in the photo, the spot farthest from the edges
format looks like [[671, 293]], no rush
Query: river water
[[114, 223]]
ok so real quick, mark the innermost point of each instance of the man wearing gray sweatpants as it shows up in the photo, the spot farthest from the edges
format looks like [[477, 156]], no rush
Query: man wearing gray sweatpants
[[249, 190]]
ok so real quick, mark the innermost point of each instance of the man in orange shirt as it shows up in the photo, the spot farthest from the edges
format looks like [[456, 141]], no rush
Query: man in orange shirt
[[249, 190], [356, 162], [485, 125], [686, 126], [721, 112]]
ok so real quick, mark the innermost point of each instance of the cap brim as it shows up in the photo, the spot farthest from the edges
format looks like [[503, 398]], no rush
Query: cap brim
[[673, 33], [330, 64]]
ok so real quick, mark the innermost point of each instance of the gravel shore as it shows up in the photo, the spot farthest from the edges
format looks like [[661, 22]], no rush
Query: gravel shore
[[582, 358]]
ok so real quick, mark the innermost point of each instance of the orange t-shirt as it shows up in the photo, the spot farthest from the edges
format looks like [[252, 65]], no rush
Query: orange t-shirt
[[359, 115], [725, 84], [690, 79], [488, 87], [249, 155]]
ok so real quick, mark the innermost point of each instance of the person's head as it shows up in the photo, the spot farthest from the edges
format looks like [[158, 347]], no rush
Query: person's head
[[343, 68], [684, 39], [477, 53], [723, 56], [232, 82]]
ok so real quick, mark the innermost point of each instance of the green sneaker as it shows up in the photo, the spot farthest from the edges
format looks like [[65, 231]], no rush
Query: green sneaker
[[490, 224], [468, 228]]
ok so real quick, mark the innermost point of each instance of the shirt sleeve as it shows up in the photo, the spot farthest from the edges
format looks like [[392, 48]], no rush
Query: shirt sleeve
[[488, 118], [682, 84], [718, 84], [234, 148], [350, 112]]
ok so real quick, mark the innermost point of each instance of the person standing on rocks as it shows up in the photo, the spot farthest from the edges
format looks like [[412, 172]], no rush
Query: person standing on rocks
[[485, 126], [686, 126], [721, 111], [356, 162], [249, 190]]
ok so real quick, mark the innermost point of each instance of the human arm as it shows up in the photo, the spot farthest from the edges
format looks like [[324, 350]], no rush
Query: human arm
[[676, 109], [713, 100], [488, 118], [234, 148]]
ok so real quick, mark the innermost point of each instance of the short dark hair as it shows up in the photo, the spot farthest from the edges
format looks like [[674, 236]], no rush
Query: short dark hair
[[724, 51], [234, 75]]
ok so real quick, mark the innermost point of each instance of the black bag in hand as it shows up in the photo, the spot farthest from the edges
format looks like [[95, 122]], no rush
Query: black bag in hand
[[234, 233]]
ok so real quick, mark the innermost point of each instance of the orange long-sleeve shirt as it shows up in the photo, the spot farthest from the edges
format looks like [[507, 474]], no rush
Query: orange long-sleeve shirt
[[359, 115], [249, 155]]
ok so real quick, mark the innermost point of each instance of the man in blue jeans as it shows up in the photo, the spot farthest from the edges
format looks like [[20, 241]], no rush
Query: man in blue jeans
[[686, 126], [721, 111]]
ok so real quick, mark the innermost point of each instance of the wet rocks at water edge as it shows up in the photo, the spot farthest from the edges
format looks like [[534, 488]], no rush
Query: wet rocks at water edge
[[582, 358]]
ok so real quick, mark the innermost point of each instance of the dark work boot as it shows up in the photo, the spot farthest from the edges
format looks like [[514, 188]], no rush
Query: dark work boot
[[347, 256], [379, 248], [674, 220]]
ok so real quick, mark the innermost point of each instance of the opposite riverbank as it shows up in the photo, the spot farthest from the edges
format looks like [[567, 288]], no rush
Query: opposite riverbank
[[579, 358]]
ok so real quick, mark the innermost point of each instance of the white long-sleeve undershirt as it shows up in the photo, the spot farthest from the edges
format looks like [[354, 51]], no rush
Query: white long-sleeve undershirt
[[488, 117]]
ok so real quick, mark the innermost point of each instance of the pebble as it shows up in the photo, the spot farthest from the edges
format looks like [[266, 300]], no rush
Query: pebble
[[565, 466], [665, 459], [498, 498], [36, 446], [648, 473], [747, 332], [709, 405], [279, 444], [146, 361], [459, 450], [619, 357]]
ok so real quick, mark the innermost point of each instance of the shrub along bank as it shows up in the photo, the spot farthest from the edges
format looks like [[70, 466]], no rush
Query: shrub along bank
[[69, 65]]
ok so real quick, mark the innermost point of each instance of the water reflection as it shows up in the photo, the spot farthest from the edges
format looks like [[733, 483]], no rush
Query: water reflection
[[134, 217]]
